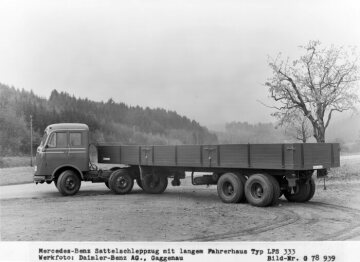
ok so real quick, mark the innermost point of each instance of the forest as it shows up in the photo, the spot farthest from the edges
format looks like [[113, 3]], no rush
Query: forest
[[117, 122], [108, 121]]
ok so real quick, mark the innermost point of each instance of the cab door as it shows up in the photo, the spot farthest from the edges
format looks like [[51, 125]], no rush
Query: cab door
[[78, 150], [56, 151]]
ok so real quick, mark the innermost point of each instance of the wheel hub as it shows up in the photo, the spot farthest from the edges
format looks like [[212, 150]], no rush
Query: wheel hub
[[70, 183], [228, 189], [122, 182], [257, 190]]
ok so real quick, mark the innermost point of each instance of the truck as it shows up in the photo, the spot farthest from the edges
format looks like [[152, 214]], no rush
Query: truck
[[255, 173]]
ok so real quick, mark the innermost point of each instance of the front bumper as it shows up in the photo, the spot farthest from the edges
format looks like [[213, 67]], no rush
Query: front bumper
[[41, 179]]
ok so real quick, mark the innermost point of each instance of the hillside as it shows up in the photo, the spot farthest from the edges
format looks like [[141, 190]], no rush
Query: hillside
[[109, 121]]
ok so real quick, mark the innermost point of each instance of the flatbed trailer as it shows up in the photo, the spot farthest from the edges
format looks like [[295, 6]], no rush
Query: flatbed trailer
[[258, 173]]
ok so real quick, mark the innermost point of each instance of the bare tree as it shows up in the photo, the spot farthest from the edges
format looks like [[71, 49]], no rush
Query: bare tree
[[295, 123], [319, 83]]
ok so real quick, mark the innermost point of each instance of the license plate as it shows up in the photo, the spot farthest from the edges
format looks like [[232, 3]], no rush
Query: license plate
[[318, 167]]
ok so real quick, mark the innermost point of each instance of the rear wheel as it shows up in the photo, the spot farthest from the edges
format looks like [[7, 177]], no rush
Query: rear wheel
[[243, 181], [120, 182], [304, 191], [277, 191], [153, 183], [259, 190], [68, 183], [312, 189], [230, 188]]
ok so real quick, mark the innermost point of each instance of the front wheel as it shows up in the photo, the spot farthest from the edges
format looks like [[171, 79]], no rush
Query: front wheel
[[68, 183], [120, 182]]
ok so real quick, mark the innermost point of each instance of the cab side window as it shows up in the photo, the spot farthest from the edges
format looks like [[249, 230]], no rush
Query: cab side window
[[76, 139], [58, 139]]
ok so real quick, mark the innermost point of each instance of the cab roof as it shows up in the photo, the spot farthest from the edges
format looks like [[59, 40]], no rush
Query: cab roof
[[67, 126]]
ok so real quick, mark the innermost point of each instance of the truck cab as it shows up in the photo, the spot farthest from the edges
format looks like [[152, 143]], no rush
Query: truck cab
[[63, 147]]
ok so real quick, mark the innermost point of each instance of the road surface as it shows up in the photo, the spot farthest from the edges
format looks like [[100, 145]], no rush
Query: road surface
[[187, 213]]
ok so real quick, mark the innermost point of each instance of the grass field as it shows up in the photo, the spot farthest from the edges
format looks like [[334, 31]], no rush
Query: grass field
[[15, 161], [16, 175], [17, 170]]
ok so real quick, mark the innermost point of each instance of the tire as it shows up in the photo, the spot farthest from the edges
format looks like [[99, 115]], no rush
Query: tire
[[120, 182], [277, 191], [312, 189], [302, 194], [154, 184], [243, 181], [259, 190], [107, 184], [138, 181], [230, 188], [68, 183]]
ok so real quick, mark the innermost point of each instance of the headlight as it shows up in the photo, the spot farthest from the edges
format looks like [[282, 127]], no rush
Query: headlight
[[35, 168]]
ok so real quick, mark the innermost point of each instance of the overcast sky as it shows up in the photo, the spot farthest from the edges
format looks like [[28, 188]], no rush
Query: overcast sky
[[205, 59]]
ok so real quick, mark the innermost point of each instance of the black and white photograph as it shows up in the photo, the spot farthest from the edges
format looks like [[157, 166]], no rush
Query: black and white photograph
[[184, 130]]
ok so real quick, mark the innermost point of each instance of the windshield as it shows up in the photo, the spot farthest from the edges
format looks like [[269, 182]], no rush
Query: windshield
[[44, 139]]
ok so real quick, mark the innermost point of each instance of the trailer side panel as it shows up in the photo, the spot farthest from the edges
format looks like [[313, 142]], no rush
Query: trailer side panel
[[246, 156]]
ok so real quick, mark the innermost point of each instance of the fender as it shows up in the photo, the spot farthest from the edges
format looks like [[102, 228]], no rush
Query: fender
[[67, 165]]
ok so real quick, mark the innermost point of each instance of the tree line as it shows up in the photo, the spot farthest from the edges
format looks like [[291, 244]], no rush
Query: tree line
[[108, 121]]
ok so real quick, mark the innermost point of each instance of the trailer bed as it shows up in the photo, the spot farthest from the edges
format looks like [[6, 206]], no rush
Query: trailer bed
[[290, 156]]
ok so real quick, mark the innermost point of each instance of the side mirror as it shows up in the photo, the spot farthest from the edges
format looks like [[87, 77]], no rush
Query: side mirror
[[43, 149]]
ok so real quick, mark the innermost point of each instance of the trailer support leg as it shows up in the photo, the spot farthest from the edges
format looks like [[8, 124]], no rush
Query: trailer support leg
[[192, 178]]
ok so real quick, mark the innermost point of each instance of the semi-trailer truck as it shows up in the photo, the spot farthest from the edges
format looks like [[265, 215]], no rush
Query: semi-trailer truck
[[256, 173]]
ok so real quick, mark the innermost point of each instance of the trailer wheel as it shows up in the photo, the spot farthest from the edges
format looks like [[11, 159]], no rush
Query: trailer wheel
[[230, 188], [305, 191], [68, 183], [302, 192], [154, 184], [243, 181], [312, 189], [277, 191], [120, 182], [259, 190]]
